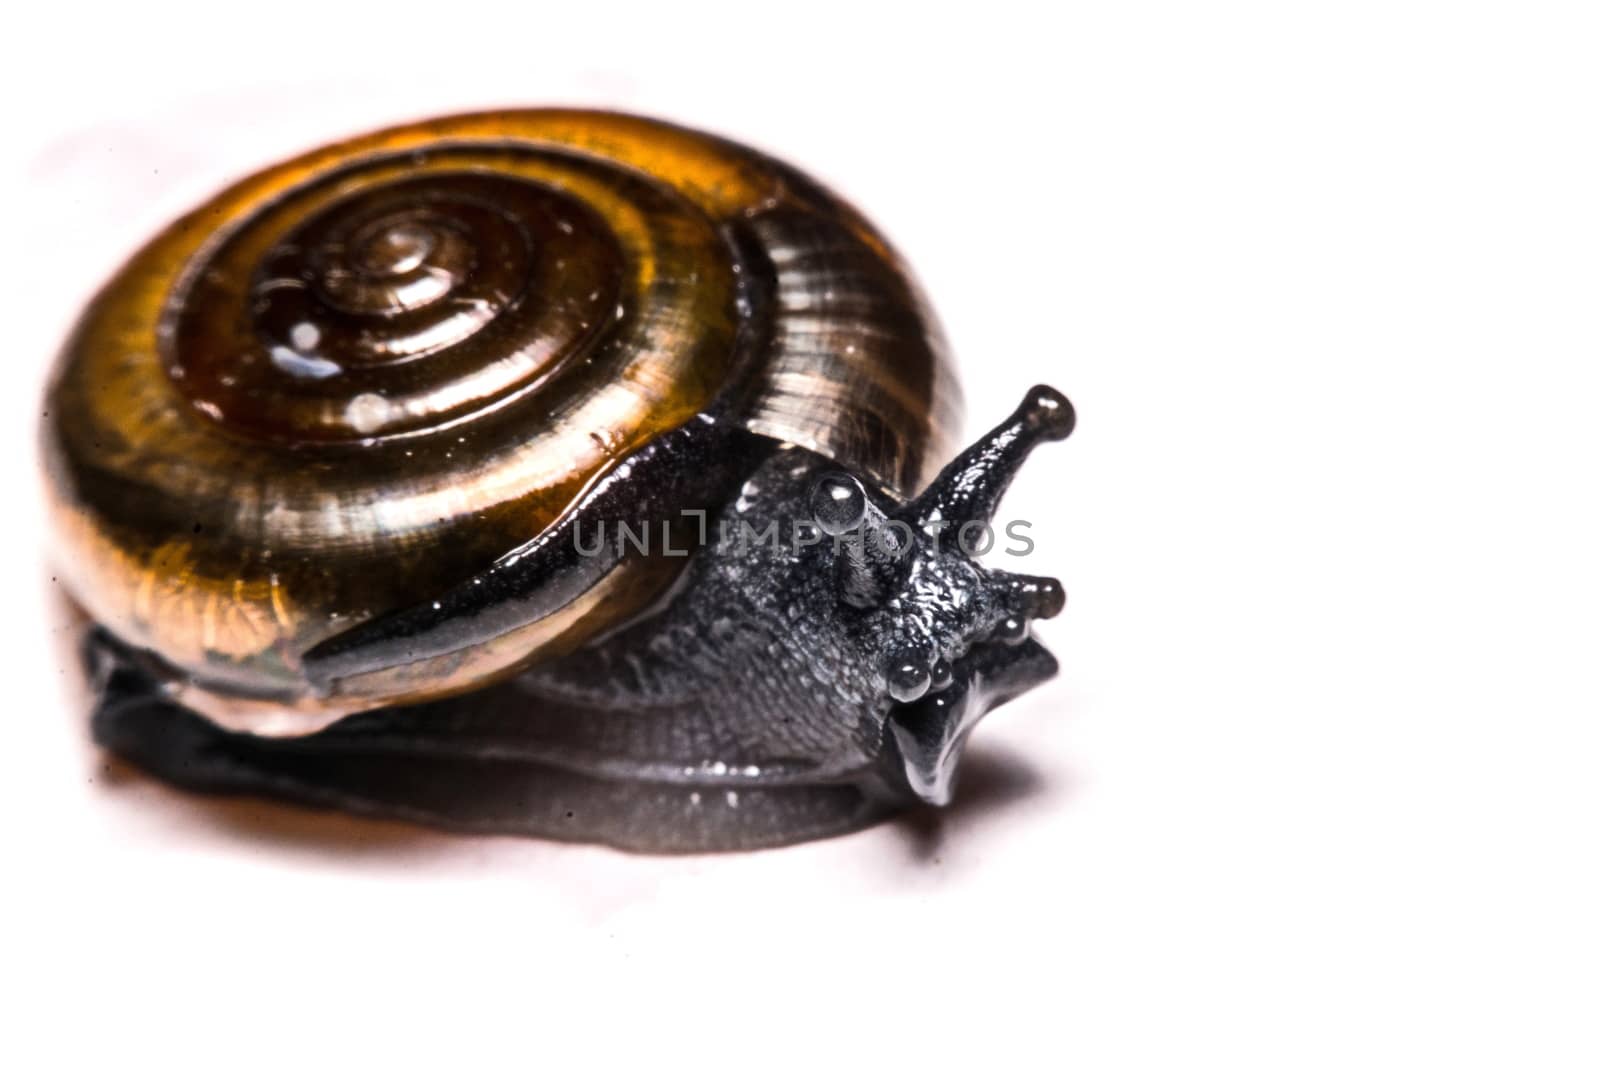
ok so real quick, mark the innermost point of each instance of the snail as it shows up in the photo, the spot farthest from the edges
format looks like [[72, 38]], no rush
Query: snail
[[548, 472]]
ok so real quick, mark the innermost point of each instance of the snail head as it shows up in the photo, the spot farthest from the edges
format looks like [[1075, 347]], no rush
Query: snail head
[[951, 635]]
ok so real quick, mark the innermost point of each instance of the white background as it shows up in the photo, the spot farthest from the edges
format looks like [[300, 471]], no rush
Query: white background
[[1318, 783]]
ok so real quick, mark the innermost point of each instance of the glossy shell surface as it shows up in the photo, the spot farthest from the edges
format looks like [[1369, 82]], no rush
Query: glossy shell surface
[[361, 376]]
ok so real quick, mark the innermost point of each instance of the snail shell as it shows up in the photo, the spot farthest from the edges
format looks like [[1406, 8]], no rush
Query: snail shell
[[367, 373]]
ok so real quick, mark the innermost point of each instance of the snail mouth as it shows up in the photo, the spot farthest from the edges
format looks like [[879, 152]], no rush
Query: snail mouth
[[928, 736]]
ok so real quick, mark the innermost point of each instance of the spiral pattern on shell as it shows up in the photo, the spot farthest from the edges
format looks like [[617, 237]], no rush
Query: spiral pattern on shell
[[364, 374]]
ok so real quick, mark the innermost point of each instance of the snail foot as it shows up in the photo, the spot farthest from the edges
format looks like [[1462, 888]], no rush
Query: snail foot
[[442, 766]]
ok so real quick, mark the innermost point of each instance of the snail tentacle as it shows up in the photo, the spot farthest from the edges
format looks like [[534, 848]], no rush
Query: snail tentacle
[[970, 487]]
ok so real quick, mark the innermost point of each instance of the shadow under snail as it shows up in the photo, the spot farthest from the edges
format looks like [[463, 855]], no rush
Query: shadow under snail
[[549, 472]]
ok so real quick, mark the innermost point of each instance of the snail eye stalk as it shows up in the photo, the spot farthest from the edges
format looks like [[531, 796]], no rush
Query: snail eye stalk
[[970, 487], [868, 545]]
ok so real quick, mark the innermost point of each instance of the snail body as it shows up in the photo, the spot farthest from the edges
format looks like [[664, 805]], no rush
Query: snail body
[[357, 468]]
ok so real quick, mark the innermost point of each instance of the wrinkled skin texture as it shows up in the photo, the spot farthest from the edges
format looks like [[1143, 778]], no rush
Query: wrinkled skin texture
[[787, 689]]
